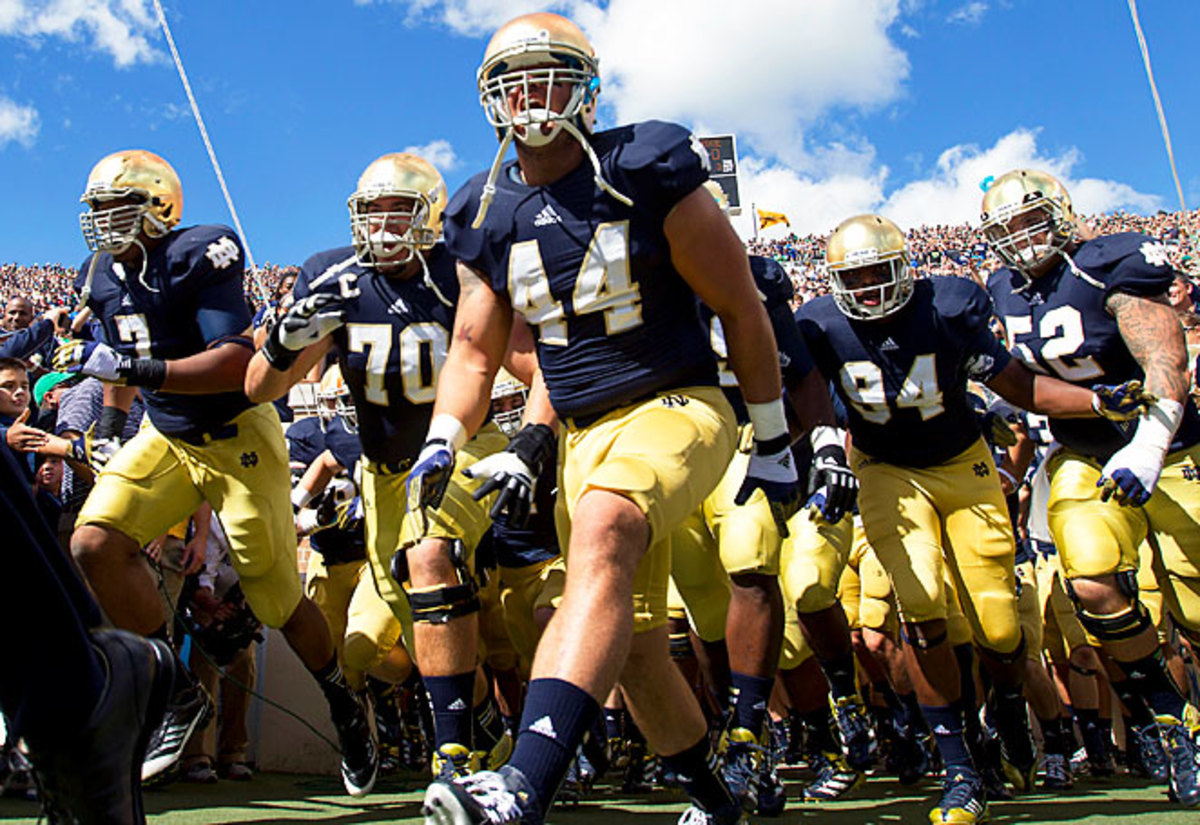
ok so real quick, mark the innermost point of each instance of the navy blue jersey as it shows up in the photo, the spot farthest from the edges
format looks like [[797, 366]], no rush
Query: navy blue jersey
[[903, 378], [1058, 325], [190, 298], [305, 440], [775, 288], [392, 346], [343, 444], [614, 320], [538, 541]]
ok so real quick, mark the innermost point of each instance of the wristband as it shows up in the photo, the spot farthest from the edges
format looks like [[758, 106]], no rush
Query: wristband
[[144, 372], [447, 428], [301, 496], [768, 419], [278, 356], [1006, 474], [1157, 427], [112, 422], [825, 436]]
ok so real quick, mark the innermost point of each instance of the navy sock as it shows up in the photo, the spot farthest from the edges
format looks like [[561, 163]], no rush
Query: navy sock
[[487, 726], [1054, 738], [613, 727], [338, 694], [1150, 679], [450, 699], [1139, 711], [1088, 720], [839, 672], [912, 712], [556, 717], [750, 705], [949, 729], [695, 769], [819, 724]]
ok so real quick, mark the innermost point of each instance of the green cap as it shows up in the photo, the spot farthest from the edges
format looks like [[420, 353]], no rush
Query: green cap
[[48, 382]]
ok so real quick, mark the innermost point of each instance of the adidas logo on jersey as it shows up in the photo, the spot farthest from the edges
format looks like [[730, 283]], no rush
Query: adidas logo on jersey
[[398, 307], [545, 727], [457, 704], [547, 216], [888, 344]]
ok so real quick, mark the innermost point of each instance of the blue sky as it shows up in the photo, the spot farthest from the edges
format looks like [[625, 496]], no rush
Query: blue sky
[[840, 106]]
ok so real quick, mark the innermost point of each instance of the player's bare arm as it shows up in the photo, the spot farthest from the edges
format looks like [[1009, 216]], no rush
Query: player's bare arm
[[482, 324], [1019, 385], [265, 383], [707, 253], [219, 369], [1155, 339]]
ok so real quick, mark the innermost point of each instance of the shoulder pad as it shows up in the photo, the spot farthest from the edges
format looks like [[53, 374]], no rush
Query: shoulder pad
[[465, 200], [1128, 262], [215, 245], [772, 280], [638, 145], [961, 301]]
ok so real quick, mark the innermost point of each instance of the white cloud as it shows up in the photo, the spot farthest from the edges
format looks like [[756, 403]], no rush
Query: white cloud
[[969, 14], [120, 28], [18, 123], [951, 194], [438, 152]]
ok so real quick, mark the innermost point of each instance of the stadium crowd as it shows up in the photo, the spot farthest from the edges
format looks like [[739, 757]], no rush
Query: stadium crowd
[[938, 529]]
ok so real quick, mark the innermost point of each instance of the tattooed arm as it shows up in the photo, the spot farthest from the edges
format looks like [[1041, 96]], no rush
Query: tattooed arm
[[1154, 336], [482, 324]]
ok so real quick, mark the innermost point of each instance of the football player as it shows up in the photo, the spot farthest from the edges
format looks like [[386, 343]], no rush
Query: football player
[[175, 318], [899, 352], [1097, 310], [601, 241], [385, 306], [747, 543]]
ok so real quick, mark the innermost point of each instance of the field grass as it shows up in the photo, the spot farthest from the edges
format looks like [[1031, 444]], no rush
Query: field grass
[[273, 798]]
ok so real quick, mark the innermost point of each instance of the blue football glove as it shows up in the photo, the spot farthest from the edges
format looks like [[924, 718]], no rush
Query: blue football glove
[[773, 471], [91, 358], [429, 476], [1130, 476], [514, 472], [832, 484], [1122, 402]]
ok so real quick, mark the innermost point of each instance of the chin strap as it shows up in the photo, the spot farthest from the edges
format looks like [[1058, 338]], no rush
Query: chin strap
[[489, 187], [428, 279]]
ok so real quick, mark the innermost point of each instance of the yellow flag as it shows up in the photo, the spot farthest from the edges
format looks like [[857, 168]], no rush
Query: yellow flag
[[766, 219]]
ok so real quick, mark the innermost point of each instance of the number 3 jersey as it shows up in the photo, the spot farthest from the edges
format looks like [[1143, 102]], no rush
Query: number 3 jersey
[[1058, 325], [614, 321], [189, 298], [392, 346], [903, 378]]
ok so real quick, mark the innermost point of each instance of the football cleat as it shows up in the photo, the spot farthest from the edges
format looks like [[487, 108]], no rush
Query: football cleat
[[1058, 773], [835, 779], [909, 757], [640, 770], [96, 778], [452, 761], [963, 802], [854, 728], [501, 797], [499, 755], [360, 751], [742, 756], [695, 815], [188, 711], [1145, 755], [1179, 741]]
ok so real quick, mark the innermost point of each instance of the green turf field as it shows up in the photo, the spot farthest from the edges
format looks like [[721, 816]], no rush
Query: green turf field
[[274, 798]]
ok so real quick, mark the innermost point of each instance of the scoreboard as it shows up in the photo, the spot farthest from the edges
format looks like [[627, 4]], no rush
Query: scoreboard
[[722, 160]]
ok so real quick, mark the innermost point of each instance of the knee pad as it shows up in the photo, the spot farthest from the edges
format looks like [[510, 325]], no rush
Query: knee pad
[[681, 645], [1005, 658], [1086, 672], [1115, 627], [438, 605]]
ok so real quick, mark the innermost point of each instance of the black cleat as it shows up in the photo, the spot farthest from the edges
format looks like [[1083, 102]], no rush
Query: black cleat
[[360, 752], [187, 712], [96, 778]]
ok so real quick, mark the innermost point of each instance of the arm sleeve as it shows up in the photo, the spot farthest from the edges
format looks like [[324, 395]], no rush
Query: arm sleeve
[[794, 358], [969, 315], [25, 342], [221, 311]]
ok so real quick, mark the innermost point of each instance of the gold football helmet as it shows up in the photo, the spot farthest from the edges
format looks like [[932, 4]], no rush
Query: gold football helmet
[[508, 402], [532, 54], [713, 188], [1029, 243], [867, 242], [131, 173], [333, 398], [390, 237]]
